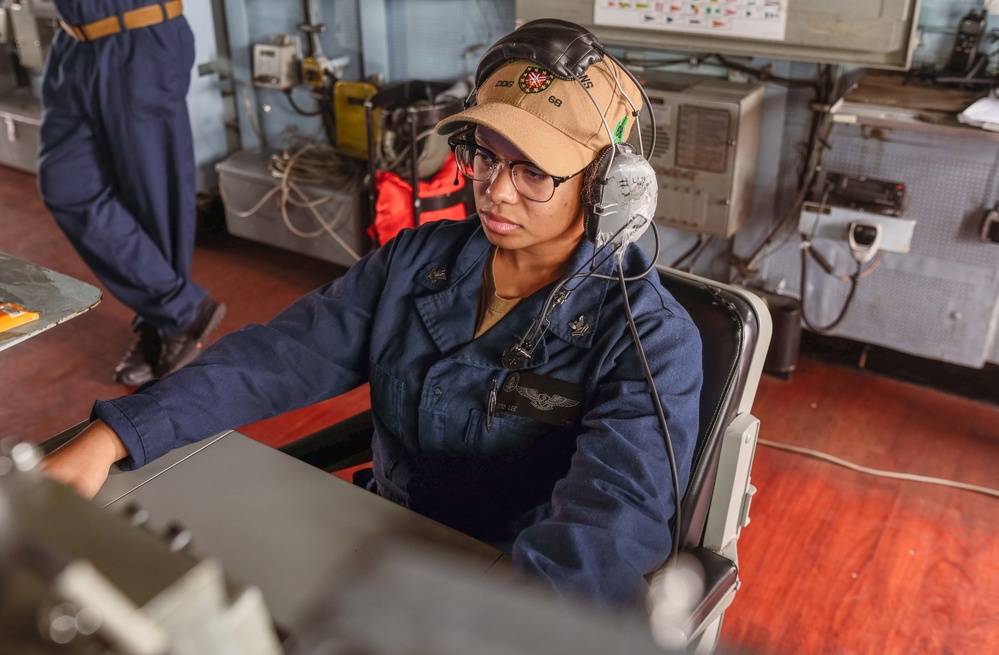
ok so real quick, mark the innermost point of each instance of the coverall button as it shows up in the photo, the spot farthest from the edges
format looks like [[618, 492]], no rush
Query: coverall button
[[438, 391]]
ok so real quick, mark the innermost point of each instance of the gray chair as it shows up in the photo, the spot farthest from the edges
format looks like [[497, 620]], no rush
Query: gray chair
[[735, 330]]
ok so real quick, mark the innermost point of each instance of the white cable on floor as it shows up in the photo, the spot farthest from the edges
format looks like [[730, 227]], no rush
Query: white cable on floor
[[884, 474]]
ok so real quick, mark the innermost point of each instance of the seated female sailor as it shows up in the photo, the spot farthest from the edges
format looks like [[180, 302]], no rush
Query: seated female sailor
[[556, 453]]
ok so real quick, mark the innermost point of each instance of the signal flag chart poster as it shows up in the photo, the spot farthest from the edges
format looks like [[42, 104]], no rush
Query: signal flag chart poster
[[748, 19]]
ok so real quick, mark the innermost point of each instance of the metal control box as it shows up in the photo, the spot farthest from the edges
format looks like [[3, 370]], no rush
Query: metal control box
[[32, 35], [829, 222], [274, 65], [20, 119], [254, 210], [707, 142]]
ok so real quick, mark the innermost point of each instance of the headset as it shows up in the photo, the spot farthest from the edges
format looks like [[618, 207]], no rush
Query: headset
[[623, 197]]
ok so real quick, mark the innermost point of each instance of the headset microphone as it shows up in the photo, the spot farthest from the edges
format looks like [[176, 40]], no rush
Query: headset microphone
[[516, 356]]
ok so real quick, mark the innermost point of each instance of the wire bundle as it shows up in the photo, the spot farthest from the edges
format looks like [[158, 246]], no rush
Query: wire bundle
[[313, 163]]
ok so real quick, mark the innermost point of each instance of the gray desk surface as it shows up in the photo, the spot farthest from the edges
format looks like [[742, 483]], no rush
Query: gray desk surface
[[275, 522], [56, 297]]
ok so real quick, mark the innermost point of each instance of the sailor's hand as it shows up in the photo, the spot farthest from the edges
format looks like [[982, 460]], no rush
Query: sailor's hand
[[84, 461]]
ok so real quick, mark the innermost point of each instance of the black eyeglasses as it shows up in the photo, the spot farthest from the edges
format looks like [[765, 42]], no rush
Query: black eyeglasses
[[480, 164]]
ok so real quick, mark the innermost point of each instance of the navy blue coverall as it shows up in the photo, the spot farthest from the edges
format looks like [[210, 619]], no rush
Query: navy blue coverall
[[116, 159], [562, 462]]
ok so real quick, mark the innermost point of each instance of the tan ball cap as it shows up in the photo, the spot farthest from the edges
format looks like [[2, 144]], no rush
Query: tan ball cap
[[554, 122]]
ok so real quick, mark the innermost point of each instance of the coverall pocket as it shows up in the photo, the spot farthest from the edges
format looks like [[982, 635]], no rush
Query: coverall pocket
[[386, 398], [507, 434], [155, 67]]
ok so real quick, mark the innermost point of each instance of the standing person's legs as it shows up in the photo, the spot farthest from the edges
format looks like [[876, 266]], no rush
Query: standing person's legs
[[79, 178], [154, 158]]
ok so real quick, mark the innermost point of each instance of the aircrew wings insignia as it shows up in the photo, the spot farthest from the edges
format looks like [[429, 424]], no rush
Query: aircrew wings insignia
[[543, 401]]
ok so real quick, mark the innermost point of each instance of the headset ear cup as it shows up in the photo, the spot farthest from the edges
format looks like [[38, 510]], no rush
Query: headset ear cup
[[590, 222], [622, 199]]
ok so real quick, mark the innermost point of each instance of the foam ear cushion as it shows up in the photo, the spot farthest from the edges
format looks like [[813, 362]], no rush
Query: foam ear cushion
[[591, 222]]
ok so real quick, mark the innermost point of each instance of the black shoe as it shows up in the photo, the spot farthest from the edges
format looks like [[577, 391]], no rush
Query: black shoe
[[180, 349], [136, 367]]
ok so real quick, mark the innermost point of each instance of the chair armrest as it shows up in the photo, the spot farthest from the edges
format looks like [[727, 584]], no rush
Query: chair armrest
[[733, 491], [721, 578], [337, 446], [685, 613]]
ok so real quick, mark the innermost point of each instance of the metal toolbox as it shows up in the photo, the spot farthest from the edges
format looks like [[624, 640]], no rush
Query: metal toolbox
[[20, 117], [255, 209]]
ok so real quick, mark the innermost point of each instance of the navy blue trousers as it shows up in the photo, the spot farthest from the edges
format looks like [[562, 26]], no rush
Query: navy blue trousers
[[116, 165]]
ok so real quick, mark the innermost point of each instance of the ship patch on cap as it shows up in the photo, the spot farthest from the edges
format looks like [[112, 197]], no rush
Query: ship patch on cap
[[535, 79]]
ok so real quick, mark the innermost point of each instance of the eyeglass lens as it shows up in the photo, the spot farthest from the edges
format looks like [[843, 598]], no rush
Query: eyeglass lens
[[479, 164]]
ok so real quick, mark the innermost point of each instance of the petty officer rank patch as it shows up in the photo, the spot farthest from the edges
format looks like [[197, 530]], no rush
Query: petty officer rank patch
[[540, 398]]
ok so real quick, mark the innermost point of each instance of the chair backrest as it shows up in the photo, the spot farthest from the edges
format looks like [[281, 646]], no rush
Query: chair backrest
[[735, 332]]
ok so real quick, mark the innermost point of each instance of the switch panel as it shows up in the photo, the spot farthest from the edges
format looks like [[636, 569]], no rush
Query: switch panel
[[274, 65]]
